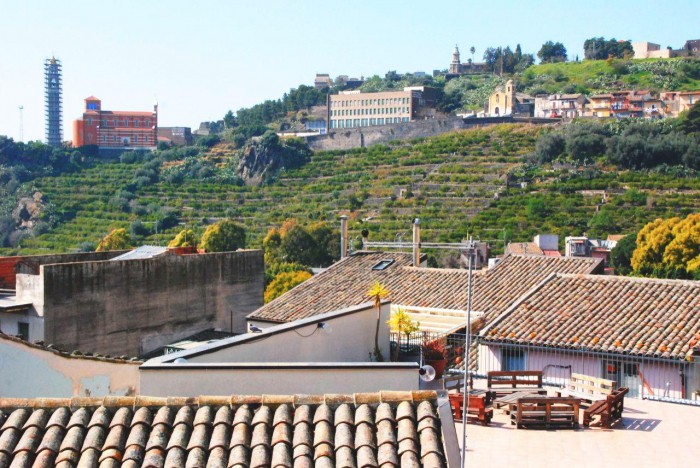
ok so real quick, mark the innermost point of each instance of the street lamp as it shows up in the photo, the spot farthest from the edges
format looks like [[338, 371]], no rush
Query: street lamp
[[471, 250]]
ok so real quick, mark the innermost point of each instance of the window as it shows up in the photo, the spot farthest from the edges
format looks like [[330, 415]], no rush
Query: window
[[104, 138], [115, 138], [382, 265], [23, 330], [512, 359], [126, 123], [136, 123], [148, 123], [136, 138], [89, 121]]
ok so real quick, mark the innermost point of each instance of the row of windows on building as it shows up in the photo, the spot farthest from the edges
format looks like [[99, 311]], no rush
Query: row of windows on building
[[369, 102], [121, 123], [351, 123], [373, 111], [120, 138]]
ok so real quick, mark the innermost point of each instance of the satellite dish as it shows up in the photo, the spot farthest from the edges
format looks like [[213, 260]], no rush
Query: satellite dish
[[182, 360], [427, 373]]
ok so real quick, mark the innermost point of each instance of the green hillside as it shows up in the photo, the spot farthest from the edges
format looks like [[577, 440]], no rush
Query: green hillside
[[450, 182], [594, 76]]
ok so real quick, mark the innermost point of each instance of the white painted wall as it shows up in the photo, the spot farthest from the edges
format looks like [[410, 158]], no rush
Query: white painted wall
[[30, 372], [351, 340], [30, 288], [9, 325], [258, 380]]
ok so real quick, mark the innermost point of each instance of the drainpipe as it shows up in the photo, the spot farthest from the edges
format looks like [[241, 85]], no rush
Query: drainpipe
[[416, 243], [343, 236]]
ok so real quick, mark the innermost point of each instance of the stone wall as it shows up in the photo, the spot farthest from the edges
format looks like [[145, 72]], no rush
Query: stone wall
[[132, 307], [348, 138]]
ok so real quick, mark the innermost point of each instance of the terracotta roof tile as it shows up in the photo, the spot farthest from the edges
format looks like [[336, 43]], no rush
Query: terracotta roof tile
[[124, 434], [636, 316], [350, 278]]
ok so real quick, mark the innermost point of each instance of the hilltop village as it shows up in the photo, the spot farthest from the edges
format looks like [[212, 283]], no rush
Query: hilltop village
[[358, 272]]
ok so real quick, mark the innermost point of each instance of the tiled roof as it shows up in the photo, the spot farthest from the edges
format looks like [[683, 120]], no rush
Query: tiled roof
[[387, 429], [73, 355], [520, 248], [345, 284], [636, 316]]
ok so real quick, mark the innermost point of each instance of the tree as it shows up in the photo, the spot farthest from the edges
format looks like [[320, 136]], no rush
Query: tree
[[401, 323], [377, 292], [690, 122], [224, 236], [298, 246], [185, 238], [597, 48], [552, 52], [669, 248], [117, 239], [472, 50], [283, 282], [621, 255], [230, 120]]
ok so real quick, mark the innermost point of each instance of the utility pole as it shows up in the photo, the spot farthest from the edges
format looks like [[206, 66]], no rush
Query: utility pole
[[471, 249], [21, 123]]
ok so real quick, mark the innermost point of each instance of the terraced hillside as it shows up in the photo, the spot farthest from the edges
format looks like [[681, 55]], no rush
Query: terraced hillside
[[455, 183]]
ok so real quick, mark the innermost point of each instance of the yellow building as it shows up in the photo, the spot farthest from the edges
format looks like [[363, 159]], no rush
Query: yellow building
[[600, 105], [506, 101], [501, 101]]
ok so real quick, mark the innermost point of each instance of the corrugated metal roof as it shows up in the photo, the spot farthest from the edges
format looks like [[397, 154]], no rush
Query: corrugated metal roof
[[142, 253]]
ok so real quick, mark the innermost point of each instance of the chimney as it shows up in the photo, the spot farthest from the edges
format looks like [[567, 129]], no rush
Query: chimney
[[365, 238], [343, 236], [416, 243]]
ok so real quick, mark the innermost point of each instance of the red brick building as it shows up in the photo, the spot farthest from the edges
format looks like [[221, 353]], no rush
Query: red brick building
[[115, 129]]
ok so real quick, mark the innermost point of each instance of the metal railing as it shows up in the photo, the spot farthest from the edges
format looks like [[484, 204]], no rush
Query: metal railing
[[647, 377]]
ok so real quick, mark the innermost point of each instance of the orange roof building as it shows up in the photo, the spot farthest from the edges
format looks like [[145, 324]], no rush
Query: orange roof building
[[115, 129]]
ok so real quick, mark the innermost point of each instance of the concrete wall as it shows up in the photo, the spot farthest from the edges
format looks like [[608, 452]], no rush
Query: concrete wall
[[350, 340], [132, 307], [30, 263], [261, 379], [31, 372]]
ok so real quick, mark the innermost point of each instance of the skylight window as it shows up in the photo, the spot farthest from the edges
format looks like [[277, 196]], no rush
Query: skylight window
[[383, 265]]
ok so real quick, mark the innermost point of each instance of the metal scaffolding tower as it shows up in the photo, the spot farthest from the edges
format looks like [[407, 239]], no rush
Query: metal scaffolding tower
[[53, 98]]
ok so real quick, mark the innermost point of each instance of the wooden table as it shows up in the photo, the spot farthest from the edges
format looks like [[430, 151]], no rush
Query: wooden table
[[512, 400]]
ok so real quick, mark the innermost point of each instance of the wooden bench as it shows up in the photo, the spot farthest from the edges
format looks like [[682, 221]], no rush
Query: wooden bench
[[609, 410], [505, 382], [477, 411], [546, 412], [587, 388]]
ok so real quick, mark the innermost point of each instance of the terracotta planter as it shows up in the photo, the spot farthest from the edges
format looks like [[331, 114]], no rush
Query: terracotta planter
[[439, 366]]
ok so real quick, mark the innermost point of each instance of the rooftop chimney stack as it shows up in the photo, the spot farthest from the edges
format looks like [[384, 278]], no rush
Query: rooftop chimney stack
[[416, 242], [343, 236]]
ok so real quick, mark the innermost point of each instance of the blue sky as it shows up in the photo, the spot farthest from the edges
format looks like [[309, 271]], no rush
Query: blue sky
[[200, 59]]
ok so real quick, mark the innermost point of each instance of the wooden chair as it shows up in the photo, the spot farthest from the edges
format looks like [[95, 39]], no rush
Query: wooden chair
[[609, 410], [546, 412], [478, 410], [505, 382]]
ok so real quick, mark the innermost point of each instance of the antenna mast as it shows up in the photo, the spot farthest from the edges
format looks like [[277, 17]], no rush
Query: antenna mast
[[21, 123]]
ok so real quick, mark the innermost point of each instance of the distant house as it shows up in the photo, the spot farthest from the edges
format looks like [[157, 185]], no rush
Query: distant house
[[593, 248], [542, 244], [599, 105], [692, 47], [178, 136], [687, 99], [564, 106], [643, 334], [322, 81], [458, 68], [643, 50]]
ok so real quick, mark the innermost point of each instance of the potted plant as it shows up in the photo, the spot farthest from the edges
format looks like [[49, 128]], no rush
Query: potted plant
[[401, 323], [435, 354]]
